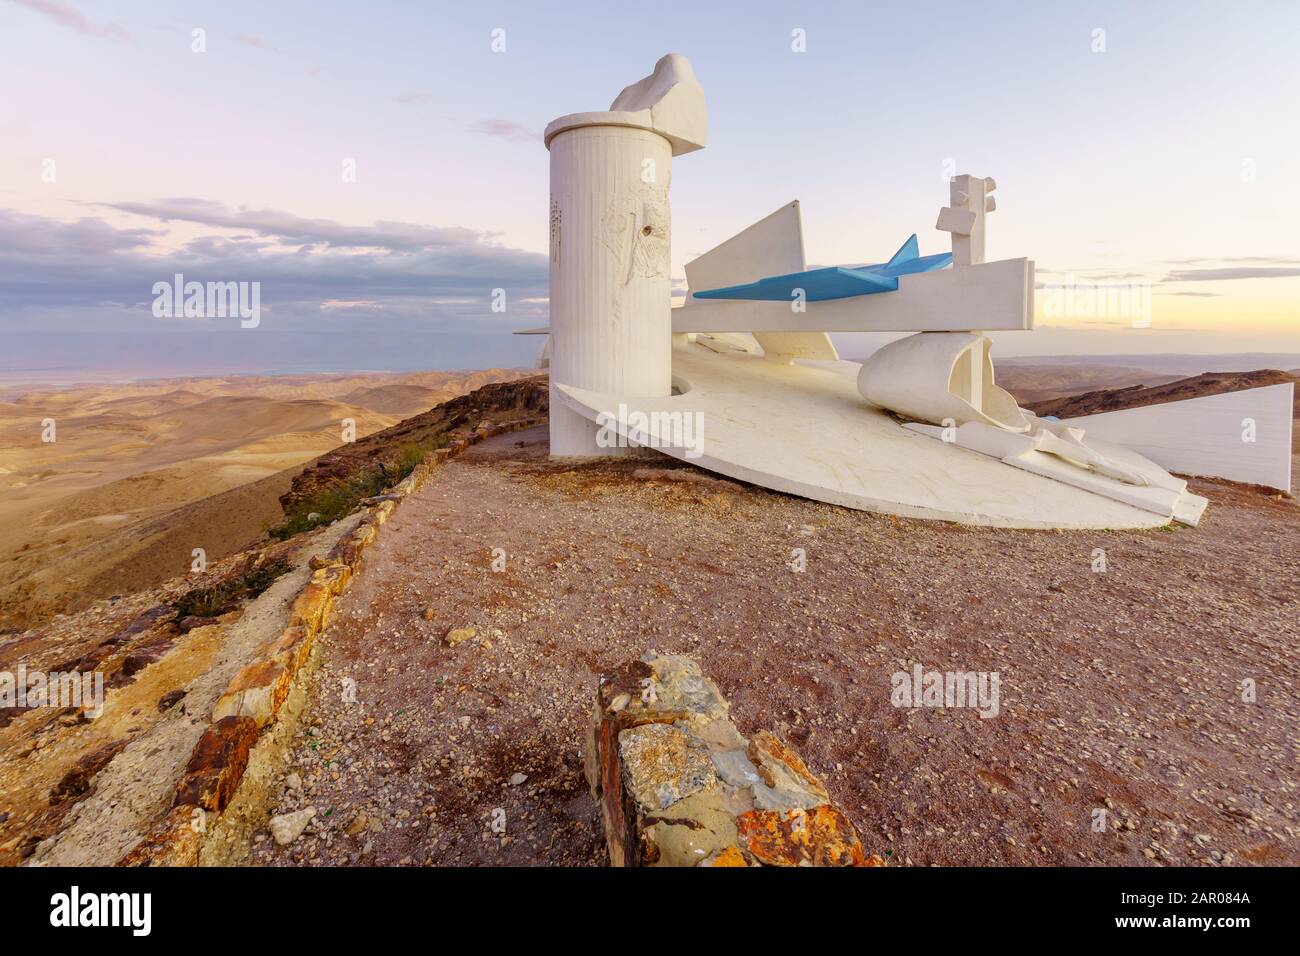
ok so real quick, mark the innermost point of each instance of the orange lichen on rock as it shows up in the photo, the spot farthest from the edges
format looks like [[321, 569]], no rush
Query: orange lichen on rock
[[821, 836], [729, 857], [766, 743]]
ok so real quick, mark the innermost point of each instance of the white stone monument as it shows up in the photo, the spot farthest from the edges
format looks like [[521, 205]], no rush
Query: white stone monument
[[611, 231], [743, 379]]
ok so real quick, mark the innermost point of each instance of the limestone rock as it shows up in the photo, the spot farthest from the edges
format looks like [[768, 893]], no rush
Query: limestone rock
[[257, 691], [79, 780], [217, 764], [311, 607], [662, 764], [287, 827], [459, 634], [679, 785], [174, 840]]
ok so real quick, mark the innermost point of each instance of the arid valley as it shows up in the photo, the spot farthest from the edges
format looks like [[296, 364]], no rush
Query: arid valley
[[140, 474]]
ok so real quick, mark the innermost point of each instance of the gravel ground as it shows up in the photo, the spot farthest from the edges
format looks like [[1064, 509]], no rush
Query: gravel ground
[[1120, 690]]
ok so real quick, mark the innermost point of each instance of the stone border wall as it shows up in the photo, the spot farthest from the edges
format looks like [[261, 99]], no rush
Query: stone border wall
[[253, 699], [679, 786]]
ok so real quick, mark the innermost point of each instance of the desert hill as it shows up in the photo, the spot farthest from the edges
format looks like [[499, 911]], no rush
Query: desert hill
[[1041, 377], [1135, 396], [234, 420], [1037, 383], [168, 642], [141, 473], [394, 398]]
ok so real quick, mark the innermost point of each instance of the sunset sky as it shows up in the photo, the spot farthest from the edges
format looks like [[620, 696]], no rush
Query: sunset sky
[[1164, 151]]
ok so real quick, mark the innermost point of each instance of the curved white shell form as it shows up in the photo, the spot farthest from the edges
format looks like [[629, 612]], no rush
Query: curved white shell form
[[939, 376]]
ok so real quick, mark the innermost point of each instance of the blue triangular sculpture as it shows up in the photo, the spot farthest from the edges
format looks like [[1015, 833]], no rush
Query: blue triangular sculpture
[[906, 252], [836, 282]]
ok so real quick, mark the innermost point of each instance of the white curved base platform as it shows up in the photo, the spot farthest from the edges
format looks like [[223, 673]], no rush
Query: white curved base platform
[[806, 431]]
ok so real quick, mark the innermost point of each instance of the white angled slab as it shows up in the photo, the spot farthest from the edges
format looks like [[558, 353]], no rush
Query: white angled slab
[[773, 246], [1204, 436], [805, 430], [993, 296], [788, 346]]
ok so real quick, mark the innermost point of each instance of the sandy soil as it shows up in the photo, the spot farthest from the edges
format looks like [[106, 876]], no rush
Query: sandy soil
[[1121, 691], [141, 474]]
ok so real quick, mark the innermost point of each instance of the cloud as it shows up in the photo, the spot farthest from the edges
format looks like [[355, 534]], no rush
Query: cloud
[[1197, 269], [1222, 260], [1093, 276], [92, 274], [22, 235], [1219, 269], [409, 98], [295, 230], [507, 129], [219, 246], [1239, 272], [69, 17]]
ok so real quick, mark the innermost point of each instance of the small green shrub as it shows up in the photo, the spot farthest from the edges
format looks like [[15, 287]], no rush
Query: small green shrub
[[339, 499], [410, 455], [330, 503], [218, 598]]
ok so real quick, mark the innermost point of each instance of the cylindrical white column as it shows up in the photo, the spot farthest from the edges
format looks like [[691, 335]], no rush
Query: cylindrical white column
[[610, 298]]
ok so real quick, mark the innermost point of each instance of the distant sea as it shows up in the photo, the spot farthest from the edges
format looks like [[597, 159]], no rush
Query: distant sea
[[57, 359], [65, 358]]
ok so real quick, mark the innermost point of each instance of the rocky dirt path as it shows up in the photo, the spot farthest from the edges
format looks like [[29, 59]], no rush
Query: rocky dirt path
[[1120, 690]]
